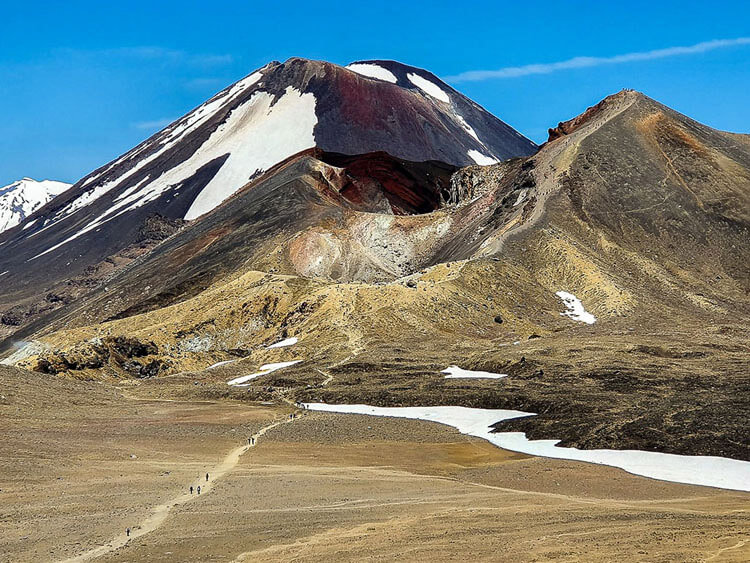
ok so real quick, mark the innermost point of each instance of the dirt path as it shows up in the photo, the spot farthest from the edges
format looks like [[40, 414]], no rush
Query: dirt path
[[160, 512], [328, 377]]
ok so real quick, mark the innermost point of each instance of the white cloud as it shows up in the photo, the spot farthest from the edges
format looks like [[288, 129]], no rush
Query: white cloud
[[206, 82], [156, 53], [155, 124], [585, 62]]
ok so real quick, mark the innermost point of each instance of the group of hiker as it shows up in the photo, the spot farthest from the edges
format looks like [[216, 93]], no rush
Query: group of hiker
[[192, 489], [250, 441], [199, 487]]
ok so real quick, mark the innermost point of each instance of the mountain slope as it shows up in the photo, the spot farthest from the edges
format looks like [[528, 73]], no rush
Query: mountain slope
[[636, 210], [22, 198]]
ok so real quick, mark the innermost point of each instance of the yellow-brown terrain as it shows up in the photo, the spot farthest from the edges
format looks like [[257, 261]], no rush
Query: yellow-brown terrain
[[83, 461]]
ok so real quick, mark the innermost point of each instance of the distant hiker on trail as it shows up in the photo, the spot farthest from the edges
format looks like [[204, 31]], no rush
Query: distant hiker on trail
[[127, 532], [199, 489], [191, 489], [206, 477]]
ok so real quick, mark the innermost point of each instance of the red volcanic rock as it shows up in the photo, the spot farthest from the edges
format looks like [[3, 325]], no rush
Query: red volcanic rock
[[567, 127], [408, 187]]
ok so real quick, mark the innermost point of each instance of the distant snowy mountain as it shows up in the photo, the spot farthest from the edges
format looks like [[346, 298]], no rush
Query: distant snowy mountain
[[20, 199]]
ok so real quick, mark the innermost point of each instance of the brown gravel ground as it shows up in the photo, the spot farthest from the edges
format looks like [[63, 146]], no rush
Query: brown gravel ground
[[344, 487], [79, 462], [325, 487]]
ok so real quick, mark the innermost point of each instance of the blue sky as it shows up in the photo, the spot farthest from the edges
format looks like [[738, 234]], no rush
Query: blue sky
[[82, 82]]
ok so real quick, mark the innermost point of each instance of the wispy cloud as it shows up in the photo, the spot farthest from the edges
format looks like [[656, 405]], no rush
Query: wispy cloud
[[156, 53], [155, 124], [205, 82], [585, 62], [211, 60]]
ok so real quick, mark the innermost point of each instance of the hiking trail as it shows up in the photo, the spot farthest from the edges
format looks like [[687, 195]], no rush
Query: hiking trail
[[160, 513]]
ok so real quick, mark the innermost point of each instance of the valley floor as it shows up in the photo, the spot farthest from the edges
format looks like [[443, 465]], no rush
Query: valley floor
[[81, 462]]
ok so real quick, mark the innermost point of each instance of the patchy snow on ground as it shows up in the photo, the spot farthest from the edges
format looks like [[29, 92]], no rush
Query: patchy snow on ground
[[373, 71], [428, 87], [481, 159], [3, 273], [708, 471], [265, 369], [455, 372], [225, 362], [286, 342], [575, 308], [24, 350], [521, 197]]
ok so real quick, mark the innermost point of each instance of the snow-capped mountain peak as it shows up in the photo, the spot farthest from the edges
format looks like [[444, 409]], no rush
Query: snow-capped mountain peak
[[21, 198]]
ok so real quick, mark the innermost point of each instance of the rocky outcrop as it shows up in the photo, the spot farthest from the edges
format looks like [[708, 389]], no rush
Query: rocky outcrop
[[118, 352]]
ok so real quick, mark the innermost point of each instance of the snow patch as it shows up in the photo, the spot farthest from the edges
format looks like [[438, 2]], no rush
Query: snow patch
[[575, 308], [481, 159], [265, 369], [709, 471], [428, 87], [521, 196], [373, 71], [455, 372], [469, 129], [3, 273], [23, 351], [287, 342], [225, 362]]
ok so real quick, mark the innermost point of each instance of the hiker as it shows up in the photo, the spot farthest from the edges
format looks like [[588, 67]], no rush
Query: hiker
[[199, 489], [206, 477], [191, 489], [127, 532]]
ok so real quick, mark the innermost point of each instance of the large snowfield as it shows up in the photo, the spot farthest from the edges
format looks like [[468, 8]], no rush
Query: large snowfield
[[256, 135], [694, 470]]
